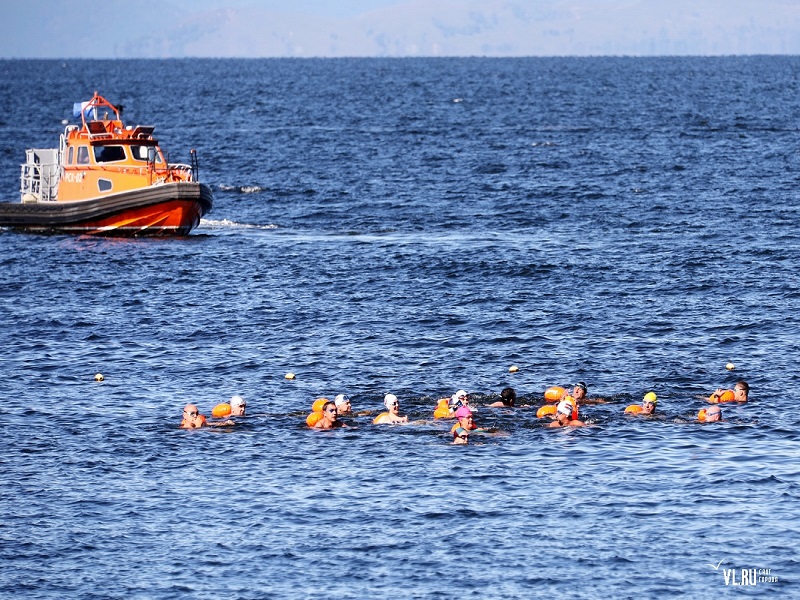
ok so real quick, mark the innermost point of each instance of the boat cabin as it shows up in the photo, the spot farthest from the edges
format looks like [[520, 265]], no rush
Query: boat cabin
[[101, 156]]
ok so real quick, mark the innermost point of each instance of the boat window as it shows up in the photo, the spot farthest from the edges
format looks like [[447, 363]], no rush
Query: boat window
[[104, 185], [83, 155], [71, 155], [142, 153], [104, 154]]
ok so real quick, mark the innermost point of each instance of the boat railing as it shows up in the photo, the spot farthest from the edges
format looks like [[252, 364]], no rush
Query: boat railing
[[40, 175], [184, 170], [195, 164]]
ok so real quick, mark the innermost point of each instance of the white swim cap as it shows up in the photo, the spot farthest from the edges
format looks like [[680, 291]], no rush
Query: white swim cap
[[389, 399], [458, 399], [565, 408], [341, 399], [237, 401]]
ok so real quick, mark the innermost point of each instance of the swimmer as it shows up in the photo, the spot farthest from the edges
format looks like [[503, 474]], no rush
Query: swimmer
[[192, 419], [392, 404], [649, 403], [343, 406], [579, 391], [464, 426], [447, 407], [741, 391], [713, 414], [460, 398], [507, 398], [330, 417], [238, 406], [564, 416], [647, 407]]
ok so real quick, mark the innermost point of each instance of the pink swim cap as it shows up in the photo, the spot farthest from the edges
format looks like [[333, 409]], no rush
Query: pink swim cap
[[463, 411]]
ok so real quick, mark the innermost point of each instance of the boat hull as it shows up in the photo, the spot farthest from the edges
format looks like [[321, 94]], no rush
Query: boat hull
[[162, 210]]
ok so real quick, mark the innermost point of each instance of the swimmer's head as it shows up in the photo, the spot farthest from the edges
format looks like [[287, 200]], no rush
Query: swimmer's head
[[342, 399], [580, 389], [462, 412], [649, 403], [390, 401], [238, 405], [460, 398], [714, 413], [508, 396], [329, 410], [564, 408]]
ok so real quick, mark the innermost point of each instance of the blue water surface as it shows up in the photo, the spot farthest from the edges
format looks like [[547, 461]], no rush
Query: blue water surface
[[413, 226]]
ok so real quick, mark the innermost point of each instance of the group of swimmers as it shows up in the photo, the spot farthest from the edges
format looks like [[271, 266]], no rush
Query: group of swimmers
[[562, 408]]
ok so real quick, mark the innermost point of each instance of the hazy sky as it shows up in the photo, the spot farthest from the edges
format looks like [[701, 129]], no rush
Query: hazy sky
[[332, 28]]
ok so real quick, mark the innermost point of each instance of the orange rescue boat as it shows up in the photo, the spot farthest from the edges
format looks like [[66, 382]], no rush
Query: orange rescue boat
[[109, 179]]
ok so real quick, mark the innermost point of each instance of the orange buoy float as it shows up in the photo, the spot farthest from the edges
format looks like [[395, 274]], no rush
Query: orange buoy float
[[554, 393], [316, 411], [376, 420], [701, 415], [318, 404], [546, 410], [222, 409], [633, 409], [442, 409], [725, 396]]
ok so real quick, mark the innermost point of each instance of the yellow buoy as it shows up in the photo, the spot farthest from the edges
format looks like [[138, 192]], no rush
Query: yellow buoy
[[513, 369], [289, 375], [730, 366], [99, 377]]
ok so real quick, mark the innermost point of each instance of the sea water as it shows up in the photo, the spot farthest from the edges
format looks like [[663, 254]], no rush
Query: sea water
[[413, 226]]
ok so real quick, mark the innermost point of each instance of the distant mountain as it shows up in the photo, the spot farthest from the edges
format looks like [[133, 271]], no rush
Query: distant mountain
[[409, 28]]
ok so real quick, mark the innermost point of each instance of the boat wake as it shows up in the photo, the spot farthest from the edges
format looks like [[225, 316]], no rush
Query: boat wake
[[228, 224], [242, 189]]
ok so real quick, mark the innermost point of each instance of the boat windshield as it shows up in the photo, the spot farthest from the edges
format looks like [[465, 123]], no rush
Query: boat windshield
[[103, 154], [143, 153]]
